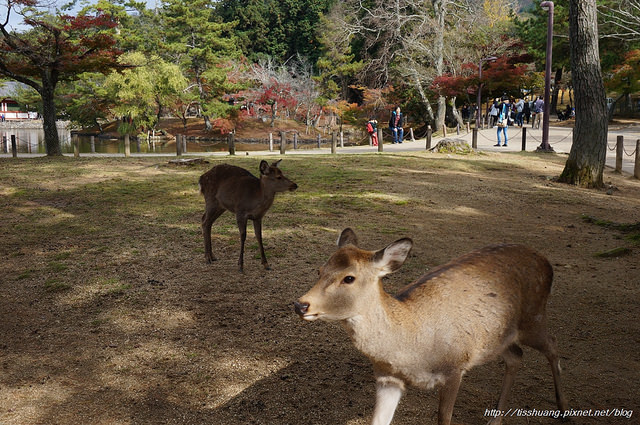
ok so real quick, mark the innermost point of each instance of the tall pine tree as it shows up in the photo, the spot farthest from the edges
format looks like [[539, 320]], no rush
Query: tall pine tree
[[204, 49]]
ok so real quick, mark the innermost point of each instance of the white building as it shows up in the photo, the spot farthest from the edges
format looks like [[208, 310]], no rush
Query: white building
[[9, 108]]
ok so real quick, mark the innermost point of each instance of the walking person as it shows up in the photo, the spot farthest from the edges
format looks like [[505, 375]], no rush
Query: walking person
[[395, 125], [493, 113], [538, 109], [526, 111], [519, 112], [504, 115]]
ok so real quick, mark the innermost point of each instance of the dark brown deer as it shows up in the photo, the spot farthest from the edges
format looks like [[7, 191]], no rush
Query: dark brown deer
[[227, 187], [459, 315]]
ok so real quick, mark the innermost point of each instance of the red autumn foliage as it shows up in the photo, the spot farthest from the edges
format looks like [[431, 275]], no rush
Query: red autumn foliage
[[503, 75]]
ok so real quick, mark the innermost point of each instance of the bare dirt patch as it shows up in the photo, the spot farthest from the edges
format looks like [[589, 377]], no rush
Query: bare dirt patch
[[110, 315]]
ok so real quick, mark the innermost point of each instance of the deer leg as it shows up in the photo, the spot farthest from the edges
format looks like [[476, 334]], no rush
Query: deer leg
[[211, 213], [242, 228], [448, 395], [546, 344], [257, 227], [388, 393], [512, 357]]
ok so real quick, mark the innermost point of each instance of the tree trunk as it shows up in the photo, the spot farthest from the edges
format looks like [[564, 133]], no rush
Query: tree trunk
[[51, 139], [440, 12], [588, 152], [274, 113], [556, 92], [454, 112], [441, 113], [429, 119]]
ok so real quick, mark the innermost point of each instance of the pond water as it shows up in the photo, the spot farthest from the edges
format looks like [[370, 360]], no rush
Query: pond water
[[32, 141]]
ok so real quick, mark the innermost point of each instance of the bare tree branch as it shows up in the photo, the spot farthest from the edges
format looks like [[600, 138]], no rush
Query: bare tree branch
[[624, 20]]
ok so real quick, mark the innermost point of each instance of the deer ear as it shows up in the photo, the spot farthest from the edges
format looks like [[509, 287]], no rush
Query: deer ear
[[277, 163], [347, 237], [264, 167], [390, 258]]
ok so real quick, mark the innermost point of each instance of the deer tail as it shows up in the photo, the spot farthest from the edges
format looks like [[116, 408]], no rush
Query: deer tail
[[200, 186]]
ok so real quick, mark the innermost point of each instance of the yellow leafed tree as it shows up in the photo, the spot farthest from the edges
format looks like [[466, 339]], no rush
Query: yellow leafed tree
[[497, 10]]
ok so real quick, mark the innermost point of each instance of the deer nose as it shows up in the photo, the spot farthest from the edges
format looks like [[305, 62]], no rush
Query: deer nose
[[301, 308], [293, 187]]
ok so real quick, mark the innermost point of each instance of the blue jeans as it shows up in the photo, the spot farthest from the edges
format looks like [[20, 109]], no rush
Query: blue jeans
[[504, 130], [397, 133]]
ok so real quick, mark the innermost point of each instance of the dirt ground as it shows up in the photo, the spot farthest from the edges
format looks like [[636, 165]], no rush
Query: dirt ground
[[110, 315]]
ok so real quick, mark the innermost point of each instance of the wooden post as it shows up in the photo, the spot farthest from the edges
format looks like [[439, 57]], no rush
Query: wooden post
[[184, 143], [178, 145], [524, 138], [468, 127], [93, 144], [319, 140], [444, 131], [231, 141], [283, 142], [295, 140], [14, 146], [413, 139], [474, 139], [76, 146], [619, 152], [380, 143], [127, 145], [270, 142], [429, 135], [342, 139], [636, 167], [334, 142], [458, 129]]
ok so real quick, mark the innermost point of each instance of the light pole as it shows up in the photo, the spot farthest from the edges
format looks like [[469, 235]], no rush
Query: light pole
[[479, 101], [545, 146]]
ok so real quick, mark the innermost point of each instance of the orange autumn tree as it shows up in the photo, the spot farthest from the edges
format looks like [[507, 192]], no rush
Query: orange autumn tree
[[52, 49]]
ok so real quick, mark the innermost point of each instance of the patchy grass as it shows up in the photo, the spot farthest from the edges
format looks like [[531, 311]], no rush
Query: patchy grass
[[631, 231]]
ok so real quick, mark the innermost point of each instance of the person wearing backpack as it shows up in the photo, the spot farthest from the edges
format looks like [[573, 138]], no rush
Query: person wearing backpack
[[395, 125], [372, 129]]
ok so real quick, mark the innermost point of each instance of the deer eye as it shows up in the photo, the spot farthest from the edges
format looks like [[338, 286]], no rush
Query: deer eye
[[348, 280]]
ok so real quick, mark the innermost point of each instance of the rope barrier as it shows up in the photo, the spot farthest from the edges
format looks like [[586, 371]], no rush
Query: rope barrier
[[626, 153]]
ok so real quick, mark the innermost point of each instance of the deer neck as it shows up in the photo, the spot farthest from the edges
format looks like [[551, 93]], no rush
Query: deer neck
[[266, 193], [378, 329]]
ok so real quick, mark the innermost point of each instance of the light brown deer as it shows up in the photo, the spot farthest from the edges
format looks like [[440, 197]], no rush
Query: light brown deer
[[457, 316], [227, 187]]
